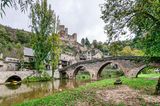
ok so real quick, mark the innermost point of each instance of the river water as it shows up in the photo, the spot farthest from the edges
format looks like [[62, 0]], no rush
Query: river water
[[10, 95]]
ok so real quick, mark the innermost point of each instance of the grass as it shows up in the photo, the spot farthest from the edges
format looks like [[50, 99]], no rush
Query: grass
[[83, 77], [106, 74], [86, 94], [152, 75], [36, 79]]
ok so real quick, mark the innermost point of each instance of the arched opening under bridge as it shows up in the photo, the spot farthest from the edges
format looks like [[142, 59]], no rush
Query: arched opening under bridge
[[110, 70], [81, 73], [149, 72], [14, 78]]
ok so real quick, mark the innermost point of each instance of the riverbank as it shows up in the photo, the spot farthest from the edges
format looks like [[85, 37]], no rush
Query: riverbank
[[89, 94]]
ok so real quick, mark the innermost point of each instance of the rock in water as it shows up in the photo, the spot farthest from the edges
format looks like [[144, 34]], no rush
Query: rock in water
[[157, 92], [118, 82]]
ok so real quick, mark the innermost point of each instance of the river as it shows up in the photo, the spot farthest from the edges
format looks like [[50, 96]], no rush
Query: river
[[10, 95]]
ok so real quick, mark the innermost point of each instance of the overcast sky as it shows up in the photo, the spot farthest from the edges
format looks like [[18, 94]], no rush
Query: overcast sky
[[80, 16]]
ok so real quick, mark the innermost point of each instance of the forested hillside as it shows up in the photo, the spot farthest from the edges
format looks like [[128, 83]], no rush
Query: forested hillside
[[12, 41]]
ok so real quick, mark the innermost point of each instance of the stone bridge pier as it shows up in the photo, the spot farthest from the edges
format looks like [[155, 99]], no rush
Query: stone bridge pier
[[95, 67]]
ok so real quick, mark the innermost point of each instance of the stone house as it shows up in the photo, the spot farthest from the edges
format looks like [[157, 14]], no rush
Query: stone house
[[91, 54], [97, 54], [67, 59], [28, 55], [9, 64]]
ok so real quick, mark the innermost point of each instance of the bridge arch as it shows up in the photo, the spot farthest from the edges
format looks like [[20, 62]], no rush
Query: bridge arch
[[78, 68], [13, 78], [106, 64], [140, 69]]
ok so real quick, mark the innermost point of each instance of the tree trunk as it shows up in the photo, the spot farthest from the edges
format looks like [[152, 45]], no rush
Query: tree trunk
[[157, 92]]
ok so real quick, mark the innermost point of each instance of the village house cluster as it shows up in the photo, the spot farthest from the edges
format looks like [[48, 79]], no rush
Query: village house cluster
[[66, 58]]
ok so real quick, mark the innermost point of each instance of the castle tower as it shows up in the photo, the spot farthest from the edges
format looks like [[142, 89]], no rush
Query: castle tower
[[61, 27], [74, 35], [66, 31]]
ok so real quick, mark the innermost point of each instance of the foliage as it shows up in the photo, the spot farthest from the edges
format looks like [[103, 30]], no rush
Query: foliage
[[14, 3], [101, 46], [115, 48], [87, 93], [85, 42], [23, 37], [128, 51], [11, 44], [83, 75], [149, 44], [148, 70], [109, 72], [68, 49], [28, 65], [37, 79], [43, 24], [55, 44], [140, 17]]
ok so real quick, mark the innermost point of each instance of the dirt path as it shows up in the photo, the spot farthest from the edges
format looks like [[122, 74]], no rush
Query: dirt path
[[127, 96]]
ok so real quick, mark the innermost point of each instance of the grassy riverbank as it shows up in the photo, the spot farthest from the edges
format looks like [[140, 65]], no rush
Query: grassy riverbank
[[152, 75], [87, 94]]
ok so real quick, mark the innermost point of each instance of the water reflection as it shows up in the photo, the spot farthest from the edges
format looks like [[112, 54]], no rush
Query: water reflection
[[13, 86], [10, 95]]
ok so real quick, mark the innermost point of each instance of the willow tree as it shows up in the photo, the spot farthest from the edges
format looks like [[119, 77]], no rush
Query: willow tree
[[43, 25], [140, 17], [14, 3]]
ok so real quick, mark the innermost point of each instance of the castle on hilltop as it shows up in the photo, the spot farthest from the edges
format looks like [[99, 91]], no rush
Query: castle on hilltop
[[63, 32]]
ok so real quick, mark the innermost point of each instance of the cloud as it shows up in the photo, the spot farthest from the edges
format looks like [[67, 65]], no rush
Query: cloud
[[80, 16]]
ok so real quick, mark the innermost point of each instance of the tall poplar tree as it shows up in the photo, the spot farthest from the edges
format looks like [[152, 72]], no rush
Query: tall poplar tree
[[43, 25]]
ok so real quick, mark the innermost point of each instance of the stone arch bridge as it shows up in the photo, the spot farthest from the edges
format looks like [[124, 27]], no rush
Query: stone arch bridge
[[131, 66], [5, 75]]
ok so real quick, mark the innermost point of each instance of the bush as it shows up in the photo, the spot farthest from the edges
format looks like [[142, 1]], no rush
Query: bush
[[37, 79], [148, 70]]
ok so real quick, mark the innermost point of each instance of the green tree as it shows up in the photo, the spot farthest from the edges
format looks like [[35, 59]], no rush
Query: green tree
[[43, 21], [87, 43], [23, 37], [55, 45], [128, 51], [141, 17], [114, 48], [83, 41]]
